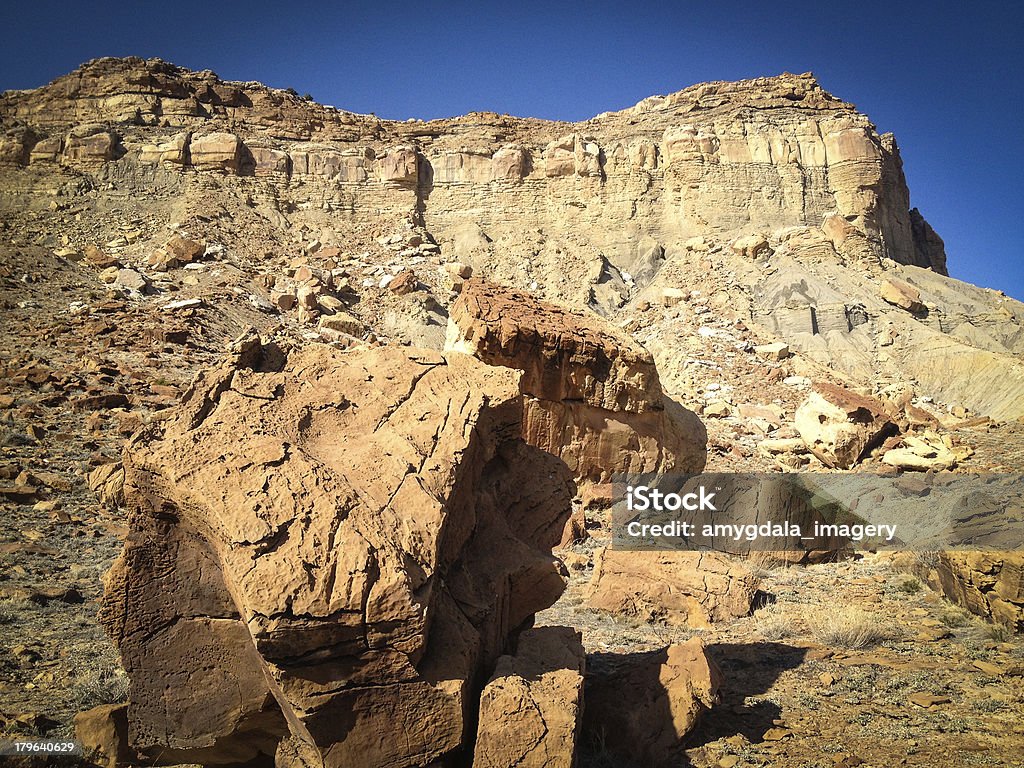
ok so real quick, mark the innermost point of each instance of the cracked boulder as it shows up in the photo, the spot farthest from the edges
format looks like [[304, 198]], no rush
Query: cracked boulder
[[592, 395], [530, 710], [839, 426], [641, 706], [328, 549]]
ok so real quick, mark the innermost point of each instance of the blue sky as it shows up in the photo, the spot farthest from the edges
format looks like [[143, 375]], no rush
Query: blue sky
[[946, 78]]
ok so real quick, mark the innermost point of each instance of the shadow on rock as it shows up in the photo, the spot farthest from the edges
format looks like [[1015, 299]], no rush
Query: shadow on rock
[[748, 670]]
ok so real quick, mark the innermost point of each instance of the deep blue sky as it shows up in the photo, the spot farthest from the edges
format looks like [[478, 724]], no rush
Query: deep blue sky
[[945, 77]]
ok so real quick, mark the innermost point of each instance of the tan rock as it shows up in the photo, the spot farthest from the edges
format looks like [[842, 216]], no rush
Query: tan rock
[[775, 351], [839, 426], [901, 294], [595, 398], [107, 482], [530, 709], [404, 282], [47, 150], [751, 246], [400, 165], [989, 584], [580, 358], [103, 733], [459, 269], [307, 297], [183, 250], [716, 409], [216, 152], [99, 259], [90, 144], [694, 589], [284, 301], [672, 296], [351, 501], [508, 164], [330, 303], [343, 322]]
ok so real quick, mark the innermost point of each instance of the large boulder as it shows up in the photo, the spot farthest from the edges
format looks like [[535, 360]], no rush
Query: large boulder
[[901, 294], [90, 144], [694, 589], [839, 426], [530, 710], [326, 549], [594, 397], [640, 707]]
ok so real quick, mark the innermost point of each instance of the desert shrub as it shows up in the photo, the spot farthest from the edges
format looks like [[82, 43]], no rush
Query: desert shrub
[[847, 627], [774, 622]]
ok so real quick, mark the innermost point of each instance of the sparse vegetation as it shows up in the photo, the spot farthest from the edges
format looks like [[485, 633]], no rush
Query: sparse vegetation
[[103, 684], [954, 618], [848, 627], [1000, 633], [774, 622], [910, 586]]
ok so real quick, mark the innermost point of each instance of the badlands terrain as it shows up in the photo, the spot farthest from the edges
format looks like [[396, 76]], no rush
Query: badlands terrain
[[310, 419]]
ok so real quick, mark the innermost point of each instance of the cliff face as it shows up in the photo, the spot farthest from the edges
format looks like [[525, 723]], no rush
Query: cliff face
[[767, 200], [722, 158]]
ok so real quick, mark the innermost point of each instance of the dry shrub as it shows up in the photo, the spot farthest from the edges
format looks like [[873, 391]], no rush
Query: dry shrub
[[847, 627], [774, 622]]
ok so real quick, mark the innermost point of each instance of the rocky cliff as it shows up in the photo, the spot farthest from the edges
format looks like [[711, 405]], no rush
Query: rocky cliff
[[769, 196]]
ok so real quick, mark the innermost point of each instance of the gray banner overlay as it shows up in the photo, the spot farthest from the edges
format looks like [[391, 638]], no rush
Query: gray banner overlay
[[741, 513]]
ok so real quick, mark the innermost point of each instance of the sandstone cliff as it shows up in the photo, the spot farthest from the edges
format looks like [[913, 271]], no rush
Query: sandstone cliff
[[771, 196]]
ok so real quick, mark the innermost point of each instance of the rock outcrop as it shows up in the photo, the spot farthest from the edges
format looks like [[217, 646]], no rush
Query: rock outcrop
[[693, 589], [594, 397], [989, 584], [325, 548]]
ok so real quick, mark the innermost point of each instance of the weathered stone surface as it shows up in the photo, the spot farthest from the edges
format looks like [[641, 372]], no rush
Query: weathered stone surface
[[564, 355], [103, 733], [989, 584], [131, 280], [344, 565], [595, 398], [847, 239], [694, 589], [90, 144], [901, 294], [173, 153], [752, 246], [839, 426], [530, 710], [107, 482], [47, 150], [216, 152], [16, 145], [404, 282], [640, 707], [344, 323], [509, 164], [400, 165]]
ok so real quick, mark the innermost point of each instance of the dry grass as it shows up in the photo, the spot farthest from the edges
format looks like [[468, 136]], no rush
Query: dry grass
[[775, 622], [102, 683], [847, 627]]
